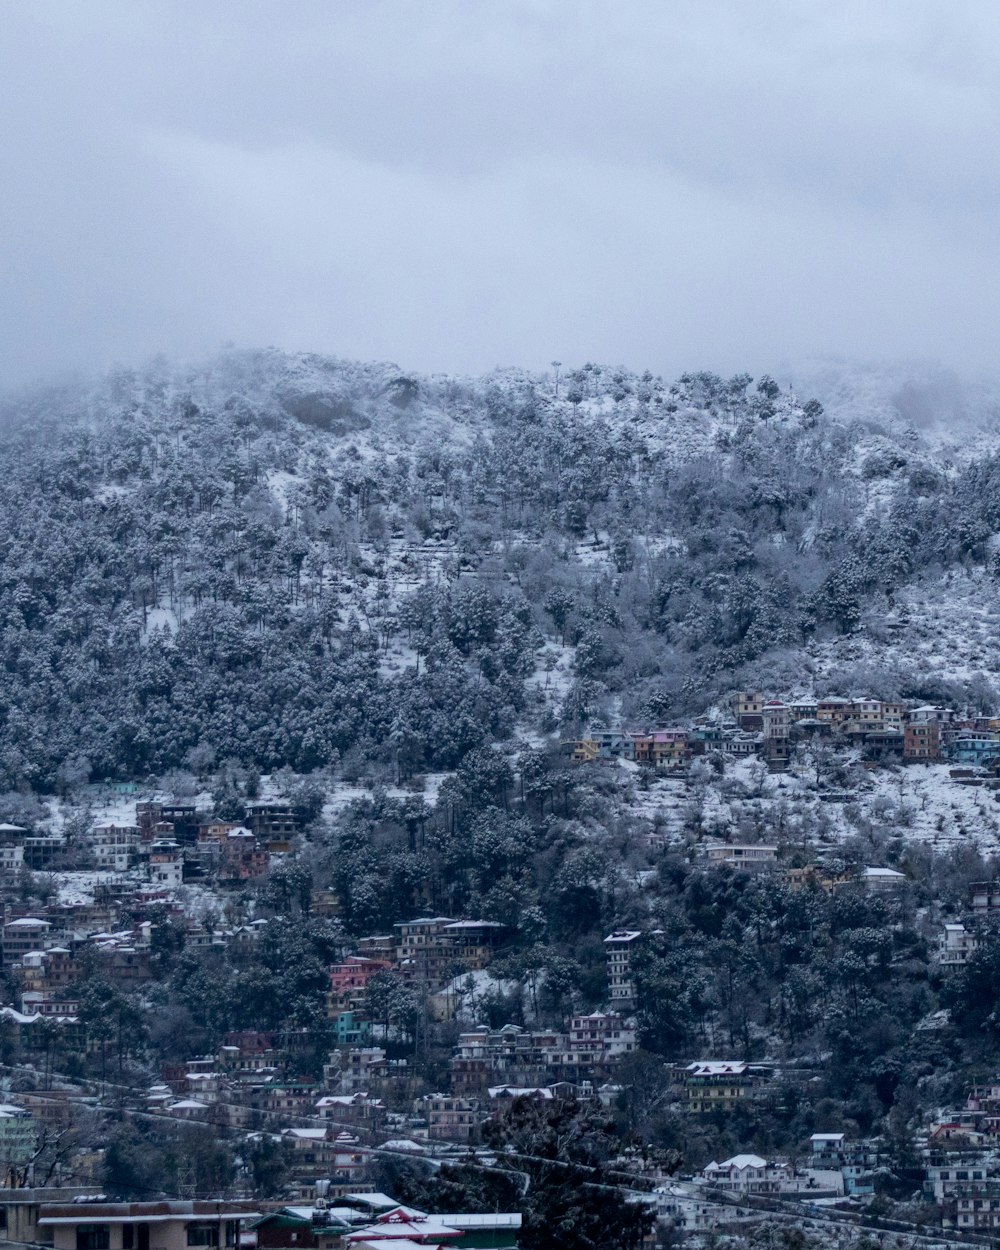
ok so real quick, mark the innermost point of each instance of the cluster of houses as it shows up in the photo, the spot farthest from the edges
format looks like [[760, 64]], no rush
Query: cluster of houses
[[75, 1219], [51, 949], [958, 1156], [883, 730], [168, 843], [246, 1081], [833, 1163], [367, 1103], [134, 873], [429, 952], [961, 1157], [959, 1152], [834, 1170]]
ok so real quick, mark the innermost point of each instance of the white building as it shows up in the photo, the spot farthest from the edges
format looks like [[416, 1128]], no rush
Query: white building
[[11, 849], [931, 715], [741, 855], [748, 1174], [166, 865], [883, 878], [605, 1035], [777, 718], [683, 1207], [114, 846], [618, 948], [955, 945]]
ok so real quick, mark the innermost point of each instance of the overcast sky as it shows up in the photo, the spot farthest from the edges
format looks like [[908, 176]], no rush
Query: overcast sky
[[453, 186]]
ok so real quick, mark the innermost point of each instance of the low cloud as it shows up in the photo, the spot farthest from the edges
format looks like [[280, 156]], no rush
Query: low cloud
[[455, 186]]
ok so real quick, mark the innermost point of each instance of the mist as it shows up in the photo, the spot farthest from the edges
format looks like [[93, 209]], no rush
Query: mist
[[456, 186]]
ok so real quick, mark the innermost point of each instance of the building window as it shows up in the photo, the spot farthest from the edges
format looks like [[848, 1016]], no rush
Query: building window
[[93, 1236], [203, 1234]]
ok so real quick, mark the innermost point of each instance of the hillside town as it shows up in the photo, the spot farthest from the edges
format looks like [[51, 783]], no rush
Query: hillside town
[[882, 731], [499, 617], [426, 1082]]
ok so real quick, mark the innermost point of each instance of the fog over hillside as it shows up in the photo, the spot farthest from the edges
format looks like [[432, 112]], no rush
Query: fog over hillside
[[934, 400], [673, 538], [499, 625]]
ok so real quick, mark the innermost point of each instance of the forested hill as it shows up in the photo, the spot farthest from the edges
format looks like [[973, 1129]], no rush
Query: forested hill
[[292, 560]]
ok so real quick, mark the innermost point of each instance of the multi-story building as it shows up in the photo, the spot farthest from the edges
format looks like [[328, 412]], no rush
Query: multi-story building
[[171, 1225], [359, 1108], [973, 746], [511, 1052], [114, 846], [775, 719], [946, 1171], [705, 738], [802, 709], [748, 1174], [922, 741], [185, 821], [474, 941], [930, 714], [42, 850], [603, 1035], [312, 1152], [834, 710], [741, 855], [272, 821], [855, 1161], [48, 971], [985, 897], [748, 706], [146, 816], [11, 850], [893, 714], [29, 933], [601, 743], [956, 945], [423, 952], [867, 713], [619, 948], [977, 1203], [348, 981], [216, 830], [59, 1006], [241, 857], [355, 1068], [451, 1118], [660, 747], [18, 1139], [884, 744], [166, 864], [717, 1084], [580, 750], [351, 1028]]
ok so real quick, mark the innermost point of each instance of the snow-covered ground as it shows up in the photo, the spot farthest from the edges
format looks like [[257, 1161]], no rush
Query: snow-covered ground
[[918, 802], [78, 888], [471, 988], [342, 794], [947, 628], [549, 683]]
